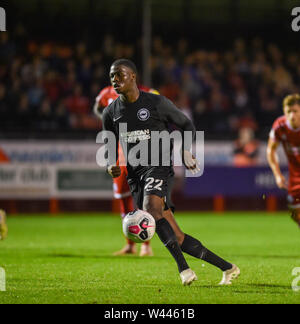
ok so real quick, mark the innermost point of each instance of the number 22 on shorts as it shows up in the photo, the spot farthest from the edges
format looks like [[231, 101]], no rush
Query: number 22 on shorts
[[296, 281], [153, 184]]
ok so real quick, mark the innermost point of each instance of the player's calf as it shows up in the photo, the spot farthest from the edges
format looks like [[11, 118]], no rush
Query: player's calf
[[153, 205], [296, 216], [195, 248], [169, 216]]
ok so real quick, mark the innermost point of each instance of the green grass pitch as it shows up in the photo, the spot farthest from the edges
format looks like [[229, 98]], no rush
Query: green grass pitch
[[68, 259]]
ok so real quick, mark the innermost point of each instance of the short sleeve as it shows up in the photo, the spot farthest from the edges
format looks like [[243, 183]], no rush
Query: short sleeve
[[101, 99], [275, 132]]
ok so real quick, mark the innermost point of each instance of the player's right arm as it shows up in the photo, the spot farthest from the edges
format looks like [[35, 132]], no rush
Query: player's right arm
[[98, 110], [107, 122], [273, 161], [101, 101], [169, 112]]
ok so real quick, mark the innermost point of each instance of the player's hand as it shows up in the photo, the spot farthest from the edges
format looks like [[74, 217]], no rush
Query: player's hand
[[190, 162], [281, 182], [114, 171]]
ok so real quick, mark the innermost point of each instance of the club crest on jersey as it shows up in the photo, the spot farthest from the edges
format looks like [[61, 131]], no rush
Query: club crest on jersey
[[143, 114]]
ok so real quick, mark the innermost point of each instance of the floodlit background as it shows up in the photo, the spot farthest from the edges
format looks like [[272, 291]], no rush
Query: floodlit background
[[227, 64]]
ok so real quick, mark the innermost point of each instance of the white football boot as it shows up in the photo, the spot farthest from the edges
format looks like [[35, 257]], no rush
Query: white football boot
[[188, 276], [230, 275]]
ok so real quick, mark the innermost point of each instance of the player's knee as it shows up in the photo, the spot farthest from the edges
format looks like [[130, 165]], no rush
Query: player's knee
[[296, 214], [153, 207], [180, 237], [154, 211]]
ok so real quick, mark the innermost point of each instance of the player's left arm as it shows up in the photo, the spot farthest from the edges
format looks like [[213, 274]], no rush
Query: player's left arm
[[98, 110], [173, 115], [99, 106], [112, 169], [273, 161]]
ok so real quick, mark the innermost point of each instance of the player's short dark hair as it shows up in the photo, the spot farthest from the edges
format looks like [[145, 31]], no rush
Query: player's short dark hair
[[127, 63], [291, 100]]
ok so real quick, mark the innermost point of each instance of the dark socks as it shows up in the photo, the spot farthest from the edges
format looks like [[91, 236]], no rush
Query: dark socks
[[194, 248], [168, 237]]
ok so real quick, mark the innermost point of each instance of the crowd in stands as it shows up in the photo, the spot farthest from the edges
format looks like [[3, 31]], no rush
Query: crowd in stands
[[46, 86]]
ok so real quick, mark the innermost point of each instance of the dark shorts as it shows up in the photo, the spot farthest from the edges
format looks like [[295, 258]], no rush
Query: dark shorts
[[156, 181]]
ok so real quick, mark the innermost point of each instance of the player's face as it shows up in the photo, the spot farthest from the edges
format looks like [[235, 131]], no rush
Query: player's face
[[293, 115], [122, 78]]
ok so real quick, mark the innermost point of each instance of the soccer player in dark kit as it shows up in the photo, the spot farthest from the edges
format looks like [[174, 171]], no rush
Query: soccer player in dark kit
[[143, 114]]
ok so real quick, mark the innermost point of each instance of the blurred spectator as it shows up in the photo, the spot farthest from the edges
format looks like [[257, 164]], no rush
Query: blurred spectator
[[36, 94], [47, 85], [52, 86], [45, 116], [4, 107], [183, 104], [24, 115], [62, 117], [245, 149], [77, 103], [7, 47]]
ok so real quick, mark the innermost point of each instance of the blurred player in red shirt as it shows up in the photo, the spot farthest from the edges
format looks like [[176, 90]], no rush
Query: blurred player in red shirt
[[121, 187], [286, 130]]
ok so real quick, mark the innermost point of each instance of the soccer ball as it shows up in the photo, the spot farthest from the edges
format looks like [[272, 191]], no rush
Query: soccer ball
[[139, 226]]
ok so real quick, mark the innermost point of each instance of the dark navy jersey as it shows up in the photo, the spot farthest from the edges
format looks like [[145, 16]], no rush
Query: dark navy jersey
[[150, 114]]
